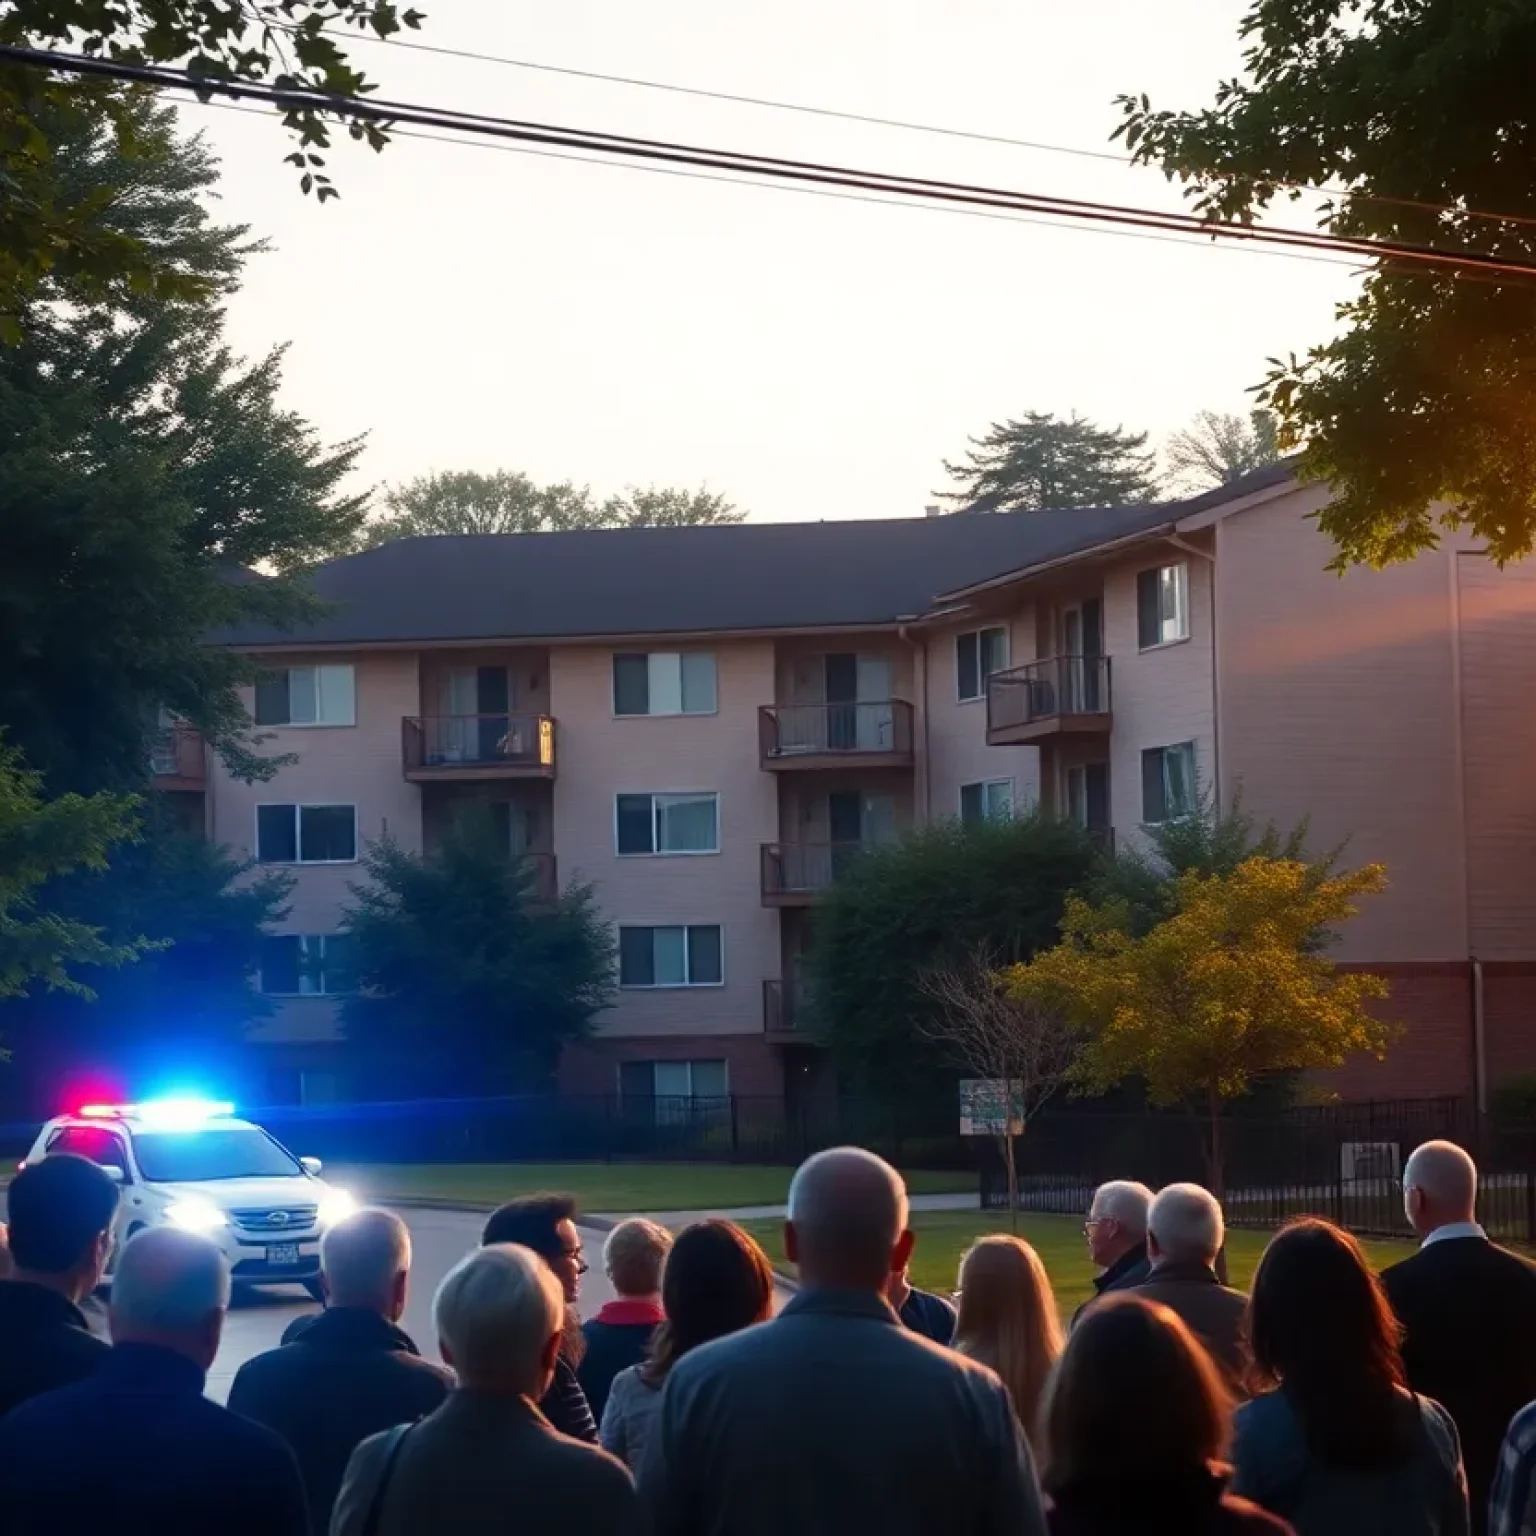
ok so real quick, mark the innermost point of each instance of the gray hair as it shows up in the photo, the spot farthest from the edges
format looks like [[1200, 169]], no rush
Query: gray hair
[[849, 1206], [1446, 1174], [1124, 1201], [363, 1254], [167, 1282], [1186, 1224], [495, 1312]]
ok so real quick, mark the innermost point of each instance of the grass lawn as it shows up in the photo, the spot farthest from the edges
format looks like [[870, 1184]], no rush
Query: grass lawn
[[604, 1187], [942, 1236]]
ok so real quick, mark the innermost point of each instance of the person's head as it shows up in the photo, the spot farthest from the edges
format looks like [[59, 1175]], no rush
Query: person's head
[[1185, 1226], [1134, 1400], [61, 1212], [546, 1225], [365, 1262], [1439, 1187], [1008, 1319], [170, 1288], [1117, 1221], [716, 1281], [847, 1222], [1320, 1326], [499, 1316], [633, 1256]]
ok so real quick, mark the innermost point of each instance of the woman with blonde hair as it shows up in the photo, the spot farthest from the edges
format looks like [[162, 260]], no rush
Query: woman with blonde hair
[[1008, 1319]]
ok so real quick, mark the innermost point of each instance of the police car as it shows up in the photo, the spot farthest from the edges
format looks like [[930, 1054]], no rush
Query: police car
[[189, 1163]]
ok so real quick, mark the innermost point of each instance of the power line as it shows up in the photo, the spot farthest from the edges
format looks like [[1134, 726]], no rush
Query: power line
[[387, 113]]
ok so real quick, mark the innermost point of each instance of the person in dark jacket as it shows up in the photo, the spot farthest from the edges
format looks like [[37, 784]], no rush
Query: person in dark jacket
[[620, 1334], [547, 1225], [1136, 1420], [61, 1212], [924, 1312], [138, 1445], [1468, 1310], [353, 1372], [1116, 1233]]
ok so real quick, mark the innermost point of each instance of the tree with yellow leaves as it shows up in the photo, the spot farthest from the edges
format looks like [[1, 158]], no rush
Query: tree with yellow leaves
[[1229, 987]]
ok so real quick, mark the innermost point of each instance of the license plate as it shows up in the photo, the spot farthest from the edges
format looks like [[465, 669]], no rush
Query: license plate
[[283, 1254]]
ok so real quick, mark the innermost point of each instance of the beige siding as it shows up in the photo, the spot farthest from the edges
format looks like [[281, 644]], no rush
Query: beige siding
[[601, 756], [1338, 704]]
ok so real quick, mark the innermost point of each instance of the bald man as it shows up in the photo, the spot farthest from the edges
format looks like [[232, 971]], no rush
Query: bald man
[[834, 1418], [1468, 1310]]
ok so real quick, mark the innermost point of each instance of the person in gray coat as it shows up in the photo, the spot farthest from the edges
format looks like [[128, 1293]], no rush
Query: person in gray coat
[[488, 1462], [833, 1418]]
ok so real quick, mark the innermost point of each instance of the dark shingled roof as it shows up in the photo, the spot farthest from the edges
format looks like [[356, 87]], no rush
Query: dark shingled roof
[[656, 581]]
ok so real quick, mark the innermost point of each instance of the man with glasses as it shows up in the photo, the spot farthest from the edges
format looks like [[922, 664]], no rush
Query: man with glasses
[[1116, 1230], [547, 1225]]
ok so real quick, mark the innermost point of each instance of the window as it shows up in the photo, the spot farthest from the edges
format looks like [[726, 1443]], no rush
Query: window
[[671, 956], [307, 696], [673, 1079], [1168, 782], [306, 834], [991, 800], [1162, 605], [663, 683], [668, 823], [305, 965], [978, 654], [101, 1147]]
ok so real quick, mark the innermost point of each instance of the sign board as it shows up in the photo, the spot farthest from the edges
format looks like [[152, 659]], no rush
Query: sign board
[[985, 1108]]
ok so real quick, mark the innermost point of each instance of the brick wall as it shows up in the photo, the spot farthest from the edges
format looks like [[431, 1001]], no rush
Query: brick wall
[[753, 1067], [1509, 1019], [1432, 1002]]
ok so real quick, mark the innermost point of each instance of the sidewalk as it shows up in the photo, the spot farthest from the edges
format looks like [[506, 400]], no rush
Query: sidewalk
[[956, 1202]]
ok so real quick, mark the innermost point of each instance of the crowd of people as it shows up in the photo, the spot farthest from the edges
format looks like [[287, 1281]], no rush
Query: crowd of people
[[1330, 1401]]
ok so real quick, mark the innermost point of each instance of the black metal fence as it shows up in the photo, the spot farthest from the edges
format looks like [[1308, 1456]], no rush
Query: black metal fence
[[1343, 1162]]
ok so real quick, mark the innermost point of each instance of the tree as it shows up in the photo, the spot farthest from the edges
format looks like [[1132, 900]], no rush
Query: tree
[[1415, 412], [1217, 448], [56, 232], [1001, 1038], [462, 972], [1040, 462], [508, 501], [930, 901], [1224, 991]]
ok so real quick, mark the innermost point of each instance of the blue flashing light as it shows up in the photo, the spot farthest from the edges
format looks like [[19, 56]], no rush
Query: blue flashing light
[[181, 1111]]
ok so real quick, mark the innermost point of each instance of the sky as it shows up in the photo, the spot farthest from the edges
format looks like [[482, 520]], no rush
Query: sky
[[810, 357]]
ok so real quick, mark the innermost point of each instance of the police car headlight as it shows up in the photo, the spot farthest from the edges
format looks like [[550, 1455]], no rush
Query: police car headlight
[[336, 1206], [195, 1215]]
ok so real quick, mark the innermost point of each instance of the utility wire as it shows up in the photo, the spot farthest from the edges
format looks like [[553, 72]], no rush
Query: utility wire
[[387, 113]]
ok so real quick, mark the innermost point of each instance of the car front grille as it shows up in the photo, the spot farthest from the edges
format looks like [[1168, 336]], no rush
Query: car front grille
[[276, 1220]]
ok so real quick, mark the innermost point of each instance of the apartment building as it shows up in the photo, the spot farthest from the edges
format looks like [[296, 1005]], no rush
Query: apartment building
[[707, 723]]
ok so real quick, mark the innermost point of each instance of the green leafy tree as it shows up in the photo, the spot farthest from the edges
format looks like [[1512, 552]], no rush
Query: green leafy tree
[[1040, 462], [55, 231], [462, 972], [1415, 411], [903, 914], [1217, 448]]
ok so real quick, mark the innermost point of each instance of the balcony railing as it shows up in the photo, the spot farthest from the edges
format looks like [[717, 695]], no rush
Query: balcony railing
[[784, 1011], [826, 735], [1059, 696], [177, 759], [794, 874], [478, 747]]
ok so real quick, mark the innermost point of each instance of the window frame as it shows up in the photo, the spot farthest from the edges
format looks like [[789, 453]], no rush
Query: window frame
[[299, 806], [665, 986], [1183, 594], [653, 795], [1168, 819], [984, 785], [689, 1061], [310, 725], [982, 674], [305, 940], [662, 714]]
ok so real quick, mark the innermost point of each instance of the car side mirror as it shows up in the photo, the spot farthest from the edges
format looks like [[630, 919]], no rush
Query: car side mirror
[[311, 1166], [113, 1172]]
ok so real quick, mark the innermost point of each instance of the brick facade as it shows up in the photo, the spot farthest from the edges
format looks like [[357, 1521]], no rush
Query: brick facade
[[753, 1067]]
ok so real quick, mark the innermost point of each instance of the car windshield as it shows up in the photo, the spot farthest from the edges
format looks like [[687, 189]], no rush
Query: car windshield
[[187, 1157]]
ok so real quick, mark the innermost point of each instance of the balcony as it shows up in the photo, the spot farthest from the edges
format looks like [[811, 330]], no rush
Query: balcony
[[1058, 698], [456, 748], [784, 1012], [177, 760], [810, 736], [795, 874]]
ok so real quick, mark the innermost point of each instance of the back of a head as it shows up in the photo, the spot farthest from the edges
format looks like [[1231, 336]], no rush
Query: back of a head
[[1134, 1400], [58, 1208], [531, 1222], [1123, 1201], [170, 1288], [717, 1282], [1446, 1178], [363, 1257], [1185, 1222], [1320, 1324], [634, 1255], [848, 1209], [496, 1312]]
